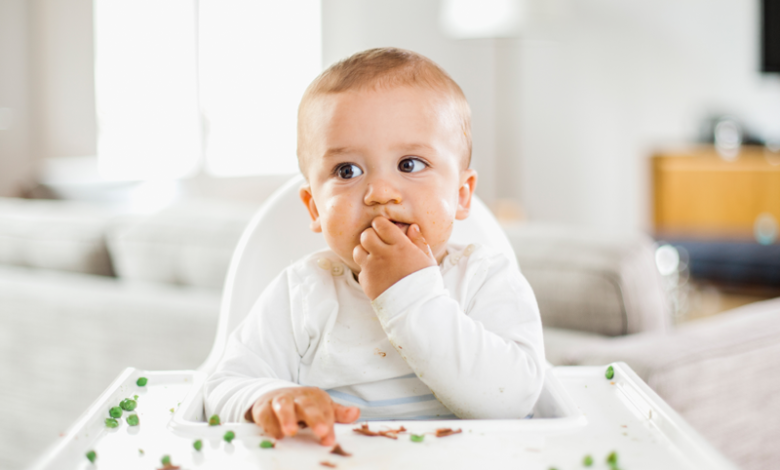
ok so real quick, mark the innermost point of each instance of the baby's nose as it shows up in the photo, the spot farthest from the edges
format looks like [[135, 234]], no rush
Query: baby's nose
[[381, 191]]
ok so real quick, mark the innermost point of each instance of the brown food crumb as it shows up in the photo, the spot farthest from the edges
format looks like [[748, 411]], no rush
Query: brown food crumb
[[390, 433], [612, 383], [325, 463], [339, 451], [444, 432]]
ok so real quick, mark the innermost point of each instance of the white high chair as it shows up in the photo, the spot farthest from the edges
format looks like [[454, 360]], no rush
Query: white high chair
[[623, 413], [279, 235]]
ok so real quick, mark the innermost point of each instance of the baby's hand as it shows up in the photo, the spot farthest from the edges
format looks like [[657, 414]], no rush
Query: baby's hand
[[386, 255], [279, 412]]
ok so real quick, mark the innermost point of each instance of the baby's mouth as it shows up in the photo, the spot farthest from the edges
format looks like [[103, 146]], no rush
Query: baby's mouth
[[404, 227]]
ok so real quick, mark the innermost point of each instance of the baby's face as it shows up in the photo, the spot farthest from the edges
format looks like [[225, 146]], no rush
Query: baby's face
[[397, 153]]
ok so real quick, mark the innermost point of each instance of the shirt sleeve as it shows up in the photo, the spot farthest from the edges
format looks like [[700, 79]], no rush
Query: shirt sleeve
[[260, 356], [484, 362]]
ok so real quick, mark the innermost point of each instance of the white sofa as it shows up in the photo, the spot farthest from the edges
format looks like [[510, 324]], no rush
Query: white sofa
[[86, 291]]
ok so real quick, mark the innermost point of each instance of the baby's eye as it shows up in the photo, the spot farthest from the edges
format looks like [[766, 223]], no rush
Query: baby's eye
[[348, 171], [411, 165]]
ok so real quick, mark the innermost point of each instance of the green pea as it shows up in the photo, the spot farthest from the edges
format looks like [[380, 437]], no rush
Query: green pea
[[267, 445], [91, 456], [115, 412], [132, 420], [165, 460], [214, 420], [135, 397], [229, 436], [417, 437], [141, 382], [587, 461], [610, 373], [128, 404], [198, 445], [612, 458], [111, 423]]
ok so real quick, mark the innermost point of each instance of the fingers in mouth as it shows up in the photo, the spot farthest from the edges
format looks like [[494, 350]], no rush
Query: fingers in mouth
[[404, 227]]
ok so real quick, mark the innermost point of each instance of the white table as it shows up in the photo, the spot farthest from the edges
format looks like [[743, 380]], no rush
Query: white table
[[580, 413]]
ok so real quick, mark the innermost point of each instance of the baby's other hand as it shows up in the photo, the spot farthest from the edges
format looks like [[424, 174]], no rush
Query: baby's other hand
[[386, 255], [279, 412]]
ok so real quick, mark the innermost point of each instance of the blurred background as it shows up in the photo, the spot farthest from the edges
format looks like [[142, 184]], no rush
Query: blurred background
[[137, 137]]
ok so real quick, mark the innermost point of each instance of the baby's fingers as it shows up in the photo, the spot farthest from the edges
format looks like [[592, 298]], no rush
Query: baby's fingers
[[318, 418], [265, 417], [370, 240], [419, 241], [360, 255], [284, 409], [387, 231], [345, 414]]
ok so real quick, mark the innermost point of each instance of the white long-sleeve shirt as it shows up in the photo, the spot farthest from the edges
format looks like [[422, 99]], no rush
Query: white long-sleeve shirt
[[460, 339]]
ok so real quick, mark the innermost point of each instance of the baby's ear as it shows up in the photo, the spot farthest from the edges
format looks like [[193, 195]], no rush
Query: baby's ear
[[311, 206], [468, 183]]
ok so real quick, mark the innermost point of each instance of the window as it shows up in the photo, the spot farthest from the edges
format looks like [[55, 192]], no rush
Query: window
[[189, 86]]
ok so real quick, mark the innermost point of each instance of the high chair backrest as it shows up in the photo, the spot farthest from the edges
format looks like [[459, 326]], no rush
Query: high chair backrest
[[279, 234]]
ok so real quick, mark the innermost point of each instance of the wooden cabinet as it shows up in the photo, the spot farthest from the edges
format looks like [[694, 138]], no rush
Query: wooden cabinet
[[696, 193]]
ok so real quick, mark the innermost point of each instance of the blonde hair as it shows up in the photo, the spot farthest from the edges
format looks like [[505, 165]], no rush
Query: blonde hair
[[383, 68]]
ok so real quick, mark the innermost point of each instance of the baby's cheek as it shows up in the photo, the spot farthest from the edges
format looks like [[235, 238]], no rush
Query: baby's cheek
[[440, 223], [340, 227], [339, 217]]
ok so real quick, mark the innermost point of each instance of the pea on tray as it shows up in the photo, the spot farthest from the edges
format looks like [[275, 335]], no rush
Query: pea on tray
[[267, 445], [127, 404]]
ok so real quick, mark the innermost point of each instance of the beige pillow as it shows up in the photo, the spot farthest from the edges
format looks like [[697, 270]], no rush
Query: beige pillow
[[585, 280], [61, 235], [186, 244]]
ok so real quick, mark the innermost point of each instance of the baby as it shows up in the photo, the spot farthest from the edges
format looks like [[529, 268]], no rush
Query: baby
[[392, 322]]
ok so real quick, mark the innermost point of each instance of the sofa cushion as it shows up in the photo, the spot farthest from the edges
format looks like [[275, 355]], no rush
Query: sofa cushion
[[593, 282], [60, 235], [186, 244]]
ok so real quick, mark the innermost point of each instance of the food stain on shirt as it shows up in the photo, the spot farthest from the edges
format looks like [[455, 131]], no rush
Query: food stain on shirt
[[379, 353]]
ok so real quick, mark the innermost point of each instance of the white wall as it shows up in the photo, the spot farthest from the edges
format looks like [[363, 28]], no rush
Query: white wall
[[47, 80], [63, 78], [604, 82], [15, 167]]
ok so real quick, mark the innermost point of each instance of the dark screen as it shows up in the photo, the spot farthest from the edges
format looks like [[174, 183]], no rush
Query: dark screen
[[770, 36]]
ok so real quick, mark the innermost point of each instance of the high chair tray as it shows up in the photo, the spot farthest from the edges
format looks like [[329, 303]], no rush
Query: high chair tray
[[580, 413]]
